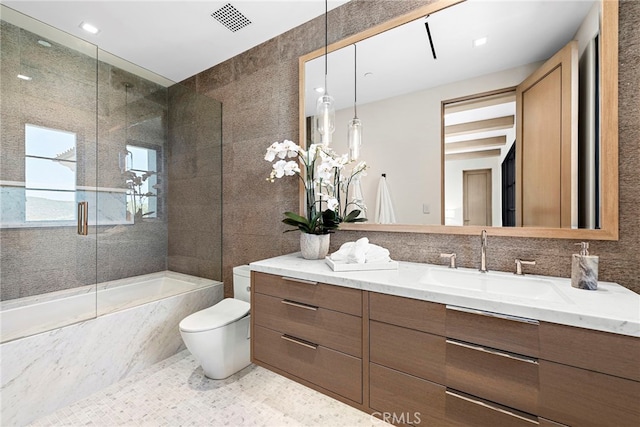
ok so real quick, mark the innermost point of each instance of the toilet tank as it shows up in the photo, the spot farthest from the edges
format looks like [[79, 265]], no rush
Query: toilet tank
[[241, 282]]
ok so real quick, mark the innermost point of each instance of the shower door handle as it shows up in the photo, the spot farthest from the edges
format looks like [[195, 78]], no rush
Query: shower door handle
[[83, 218]]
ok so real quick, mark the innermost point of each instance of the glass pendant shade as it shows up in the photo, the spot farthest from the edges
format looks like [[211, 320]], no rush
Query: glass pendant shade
[[326, 117], [354, 138]]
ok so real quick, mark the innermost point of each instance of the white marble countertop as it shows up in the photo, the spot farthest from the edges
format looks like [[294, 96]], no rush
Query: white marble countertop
[[610, 308]]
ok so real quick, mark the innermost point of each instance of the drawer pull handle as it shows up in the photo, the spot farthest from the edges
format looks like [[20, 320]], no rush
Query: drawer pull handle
[[492, 314], [494, 352], [489, 406], [299, 305], [293, 279], [299, 342]]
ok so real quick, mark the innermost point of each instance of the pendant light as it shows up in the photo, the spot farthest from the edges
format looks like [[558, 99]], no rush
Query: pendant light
[[354, 131], [325, 107]]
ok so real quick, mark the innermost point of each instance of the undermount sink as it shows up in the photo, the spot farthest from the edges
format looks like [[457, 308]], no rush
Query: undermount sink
[[494, 283]]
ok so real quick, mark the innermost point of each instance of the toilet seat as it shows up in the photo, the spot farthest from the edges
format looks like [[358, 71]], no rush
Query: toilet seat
[[226, 311]]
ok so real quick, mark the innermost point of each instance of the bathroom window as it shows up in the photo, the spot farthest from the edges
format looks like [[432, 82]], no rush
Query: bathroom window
[[50, 174], [142, 182]]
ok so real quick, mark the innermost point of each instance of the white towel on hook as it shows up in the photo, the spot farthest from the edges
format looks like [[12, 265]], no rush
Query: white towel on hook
[[384, 205], [357, 200]]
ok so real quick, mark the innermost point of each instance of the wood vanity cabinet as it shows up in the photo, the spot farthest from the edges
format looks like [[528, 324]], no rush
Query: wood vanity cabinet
[[507, 379], [491, 368], [414, 362], [589, 378], [310, 332], [407, 359]]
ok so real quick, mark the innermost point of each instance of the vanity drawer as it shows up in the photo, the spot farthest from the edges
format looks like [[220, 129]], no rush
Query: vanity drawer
[[495, 375], [329, 369], [579, 397], [407, 350], [410, 399], [411, 313], [599, 351], [515, 334], [462, 409], [337, 298], [328, 328]]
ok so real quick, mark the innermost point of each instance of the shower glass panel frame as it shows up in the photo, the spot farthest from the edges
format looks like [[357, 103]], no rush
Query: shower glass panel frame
[[48, 165], [111, 112]]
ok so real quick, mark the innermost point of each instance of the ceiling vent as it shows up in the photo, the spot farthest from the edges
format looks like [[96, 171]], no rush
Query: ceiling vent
[[231, 18]]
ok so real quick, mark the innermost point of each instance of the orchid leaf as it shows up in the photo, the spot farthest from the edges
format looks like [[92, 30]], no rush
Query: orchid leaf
[[353, 216]]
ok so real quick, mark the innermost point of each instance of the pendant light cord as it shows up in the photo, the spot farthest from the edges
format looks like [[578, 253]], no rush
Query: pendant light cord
[[355, 81], [326, 42]]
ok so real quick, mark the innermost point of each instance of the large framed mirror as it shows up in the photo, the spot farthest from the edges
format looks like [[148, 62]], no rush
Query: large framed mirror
[[476, 114]]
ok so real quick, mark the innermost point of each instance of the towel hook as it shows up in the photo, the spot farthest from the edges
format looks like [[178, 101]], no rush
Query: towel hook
[[384, 175]]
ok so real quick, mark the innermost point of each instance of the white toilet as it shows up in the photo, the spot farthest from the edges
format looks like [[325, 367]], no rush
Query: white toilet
[[218, 336]]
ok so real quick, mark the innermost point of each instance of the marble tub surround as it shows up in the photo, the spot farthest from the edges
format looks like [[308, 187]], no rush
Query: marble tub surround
[[611, 308], [47, 371], [39, 313]]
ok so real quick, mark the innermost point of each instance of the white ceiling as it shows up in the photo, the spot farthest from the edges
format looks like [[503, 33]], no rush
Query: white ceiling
[[174, 39]]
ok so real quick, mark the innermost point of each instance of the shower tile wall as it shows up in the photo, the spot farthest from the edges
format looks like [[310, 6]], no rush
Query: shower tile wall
[[62, 95], [195, 173], [132, 111], [259, 91]]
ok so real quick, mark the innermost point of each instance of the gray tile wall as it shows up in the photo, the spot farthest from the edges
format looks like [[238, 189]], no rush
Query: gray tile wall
[[62, 95], [195, 187], [259, 91]]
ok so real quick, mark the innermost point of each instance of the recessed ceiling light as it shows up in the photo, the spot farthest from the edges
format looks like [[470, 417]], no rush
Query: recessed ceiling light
[[479, 42], [89, 28], [319, 89], [23, 77], [44, 43]]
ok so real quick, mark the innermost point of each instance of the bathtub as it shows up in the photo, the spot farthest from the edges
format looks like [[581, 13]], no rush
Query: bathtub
[[31, 315], [60, 347]]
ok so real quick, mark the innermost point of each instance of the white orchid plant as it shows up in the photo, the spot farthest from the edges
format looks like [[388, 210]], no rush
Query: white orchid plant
[[326, 187]]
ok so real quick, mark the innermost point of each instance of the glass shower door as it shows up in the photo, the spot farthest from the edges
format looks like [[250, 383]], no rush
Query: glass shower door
[[48, 175]]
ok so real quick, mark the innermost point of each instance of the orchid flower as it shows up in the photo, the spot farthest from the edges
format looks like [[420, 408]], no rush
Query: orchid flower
[[320, 170]]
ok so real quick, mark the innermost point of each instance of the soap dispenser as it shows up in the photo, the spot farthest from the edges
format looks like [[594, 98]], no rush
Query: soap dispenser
[[584, 269]]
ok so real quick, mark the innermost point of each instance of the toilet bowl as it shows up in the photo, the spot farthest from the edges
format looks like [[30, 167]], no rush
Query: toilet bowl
[[218, 336]]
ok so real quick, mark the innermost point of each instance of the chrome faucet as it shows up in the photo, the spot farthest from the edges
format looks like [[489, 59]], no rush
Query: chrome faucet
[[483, 251], [452, 259], [520, 263]]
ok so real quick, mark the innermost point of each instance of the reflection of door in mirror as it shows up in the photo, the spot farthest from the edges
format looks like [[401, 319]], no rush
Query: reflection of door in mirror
[[476, 196], [547, 143], [509, 188], [479, 131]]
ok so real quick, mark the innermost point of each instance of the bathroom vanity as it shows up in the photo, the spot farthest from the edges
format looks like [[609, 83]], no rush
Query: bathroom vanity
[[427, 345]]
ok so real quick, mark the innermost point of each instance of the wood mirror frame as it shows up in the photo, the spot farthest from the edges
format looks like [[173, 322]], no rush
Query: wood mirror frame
[[608, 135]]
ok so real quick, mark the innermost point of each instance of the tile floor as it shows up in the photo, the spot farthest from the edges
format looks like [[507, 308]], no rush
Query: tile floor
[[175, 392]]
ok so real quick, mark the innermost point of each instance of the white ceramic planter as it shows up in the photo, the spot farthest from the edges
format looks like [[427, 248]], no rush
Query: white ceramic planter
[[314, 246]]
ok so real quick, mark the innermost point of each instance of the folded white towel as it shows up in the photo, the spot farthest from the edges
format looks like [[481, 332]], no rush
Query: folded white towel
[[358, 252], [341, 254], [377, 254]]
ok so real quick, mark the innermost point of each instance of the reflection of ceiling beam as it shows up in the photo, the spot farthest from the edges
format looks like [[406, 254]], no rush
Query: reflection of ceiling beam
[[472, 155], [498, 123], [474, 144], [485, 101]]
